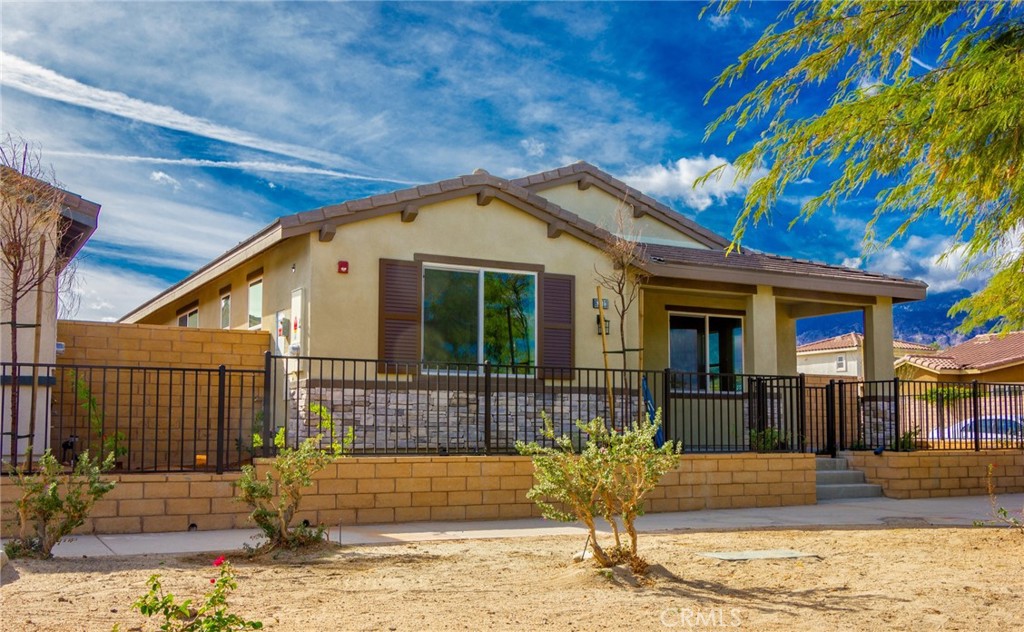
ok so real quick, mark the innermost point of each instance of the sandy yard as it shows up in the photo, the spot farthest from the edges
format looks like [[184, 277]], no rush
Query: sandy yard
[[877, 579]]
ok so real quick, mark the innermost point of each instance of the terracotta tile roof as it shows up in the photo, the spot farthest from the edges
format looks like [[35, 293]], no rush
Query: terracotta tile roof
[[844, 341], [852, 341], [912, 346], [982, 352]]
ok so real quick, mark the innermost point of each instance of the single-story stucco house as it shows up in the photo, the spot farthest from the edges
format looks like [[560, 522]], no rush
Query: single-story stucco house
[[986, 358], [417, 274]]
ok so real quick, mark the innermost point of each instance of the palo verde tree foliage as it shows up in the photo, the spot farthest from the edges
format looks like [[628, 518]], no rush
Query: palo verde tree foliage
[[609, 478], [943, 137]]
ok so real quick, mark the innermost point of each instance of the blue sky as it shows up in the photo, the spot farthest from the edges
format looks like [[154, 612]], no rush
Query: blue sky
[[194, 124]]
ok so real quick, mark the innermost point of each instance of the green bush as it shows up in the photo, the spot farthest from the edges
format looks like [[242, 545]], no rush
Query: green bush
[[212, 615], [767, 440], [54, 502], [609, 478], [946, 394], [275, 499]]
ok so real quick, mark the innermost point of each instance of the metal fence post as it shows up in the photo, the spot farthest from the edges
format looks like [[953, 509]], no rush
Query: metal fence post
[[802, 410], [831, 419], [268, 396], [976, 413], [222, 374], [842, 415], [666, 404], [487, 408], [896, 414]]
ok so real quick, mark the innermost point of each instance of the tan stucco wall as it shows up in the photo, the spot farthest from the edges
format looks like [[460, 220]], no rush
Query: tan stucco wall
[[278, 282], [598, 207], [824, 363], [343, 319], [367, 490]]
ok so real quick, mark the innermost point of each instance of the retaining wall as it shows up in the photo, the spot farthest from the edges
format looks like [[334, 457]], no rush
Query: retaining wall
[[367, 490], [933, 474]]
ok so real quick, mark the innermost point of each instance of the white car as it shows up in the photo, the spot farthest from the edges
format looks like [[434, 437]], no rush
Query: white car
[[999, 429]]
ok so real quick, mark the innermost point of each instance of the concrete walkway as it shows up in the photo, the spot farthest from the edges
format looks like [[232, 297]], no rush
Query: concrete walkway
[[961, 511]]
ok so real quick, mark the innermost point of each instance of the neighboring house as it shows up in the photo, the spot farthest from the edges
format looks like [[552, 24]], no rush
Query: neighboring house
[[843, 355], [37, 338], [482, 268], [986, 358]]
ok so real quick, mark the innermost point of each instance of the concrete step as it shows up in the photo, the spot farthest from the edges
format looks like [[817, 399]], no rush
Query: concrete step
[[840, 477], [827, 464], [849, 490]]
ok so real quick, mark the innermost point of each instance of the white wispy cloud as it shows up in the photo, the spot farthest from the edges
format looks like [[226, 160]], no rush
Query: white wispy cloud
[[258, 166], [28, 77], [163, 178], [106, 292], [937, 261], [676, 181]]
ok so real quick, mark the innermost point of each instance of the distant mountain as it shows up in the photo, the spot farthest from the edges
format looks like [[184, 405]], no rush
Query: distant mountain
[[923, 321]]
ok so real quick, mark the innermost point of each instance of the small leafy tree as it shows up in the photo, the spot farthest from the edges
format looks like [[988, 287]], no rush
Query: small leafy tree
[[275, 498], [213, 615], [113, 442], [53, 502], [609, 479]]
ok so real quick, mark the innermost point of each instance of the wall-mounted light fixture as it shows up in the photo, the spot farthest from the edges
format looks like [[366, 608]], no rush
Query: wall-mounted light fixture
[[607, 325]]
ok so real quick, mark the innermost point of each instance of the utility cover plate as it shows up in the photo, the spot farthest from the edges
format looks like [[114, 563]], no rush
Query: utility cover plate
[[769, 554]]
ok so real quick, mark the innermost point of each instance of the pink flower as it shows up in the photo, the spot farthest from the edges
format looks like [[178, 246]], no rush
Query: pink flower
[[218, 561], [213, 581]]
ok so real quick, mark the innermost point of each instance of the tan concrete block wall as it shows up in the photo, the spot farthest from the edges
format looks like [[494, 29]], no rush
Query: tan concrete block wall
[[123, 344], [366, 490], [144, 503], [934, 474]]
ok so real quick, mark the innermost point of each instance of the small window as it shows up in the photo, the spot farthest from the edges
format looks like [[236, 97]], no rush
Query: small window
[[225, 311], [841, 363], [256, 304], [189, 318]]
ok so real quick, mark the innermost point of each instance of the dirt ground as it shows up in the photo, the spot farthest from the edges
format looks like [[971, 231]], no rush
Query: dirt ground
[[880, 579]]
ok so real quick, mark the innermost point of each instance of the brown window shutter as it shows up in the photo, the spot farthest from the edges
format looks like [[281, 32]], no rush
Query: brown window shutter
[[557, 301], [400, 315]]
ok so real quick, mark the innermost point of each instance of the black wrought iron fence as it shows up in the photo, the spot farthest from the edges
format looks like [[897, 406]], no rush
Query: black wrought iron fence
[[714, 412], [154, 419]]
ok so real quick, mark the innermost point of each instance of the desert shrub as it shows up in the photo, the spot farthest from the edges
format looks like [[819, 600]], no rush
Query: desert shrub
[[1000, 513], [276, 497], [212, 615], [609, 479], [767, 440], [54, 502], [907, 441]]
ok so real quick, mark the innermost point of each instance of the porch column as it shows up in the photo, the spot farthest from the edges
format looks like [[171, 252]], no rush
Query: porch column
[[760, 347], [878, 359], [785, 336]]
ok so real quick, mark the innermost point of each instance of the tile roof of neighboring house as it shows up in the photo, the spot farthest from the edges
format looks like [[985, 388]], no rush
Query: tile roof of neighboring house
[[987, 351], [663, 261], [853, 341], [844, 341]]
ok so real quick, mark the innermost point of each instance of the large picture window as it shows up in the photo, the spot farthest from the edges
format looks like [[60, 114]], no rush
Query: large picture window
[[705, 347], [475, 315]]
